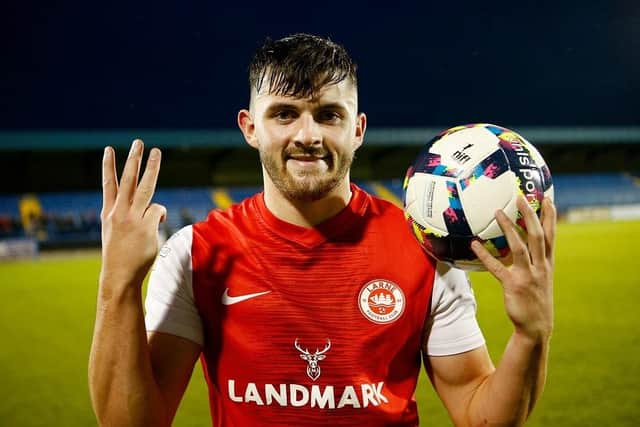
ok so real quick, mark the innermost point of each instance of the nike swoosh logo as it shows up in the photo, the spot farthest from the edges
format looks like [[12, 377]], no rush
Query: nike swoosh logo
[[229, 300]]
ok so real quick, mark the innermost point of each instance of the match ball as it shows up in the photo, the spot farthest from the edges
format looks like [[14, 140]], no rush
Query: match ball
[[460, 179]]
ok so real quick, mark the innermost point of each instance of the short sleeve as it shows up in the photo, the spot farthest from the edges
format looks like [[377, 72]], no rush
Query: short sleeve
[[169, 304], [452, 326]]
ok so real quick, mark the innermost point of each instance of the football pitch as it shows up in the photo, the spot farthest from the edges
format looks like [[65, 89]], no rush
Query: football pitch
[[47, 309]]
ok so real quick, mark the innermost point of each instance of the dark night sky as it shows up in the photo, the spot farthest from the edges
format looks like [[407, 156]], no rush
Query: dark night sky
[[69, 65]]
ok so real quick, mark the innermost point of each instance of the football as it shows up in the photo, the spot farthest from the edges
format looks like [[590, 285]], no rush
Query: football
[[460, 179]]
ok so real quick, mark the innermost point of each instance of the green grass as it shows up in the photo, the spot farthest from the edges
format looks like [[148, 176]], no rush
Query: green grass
[[47, 310]]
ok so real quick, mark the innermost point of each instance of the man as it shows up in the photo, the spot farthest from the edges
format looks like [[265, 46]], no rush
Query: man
[[309, 303]]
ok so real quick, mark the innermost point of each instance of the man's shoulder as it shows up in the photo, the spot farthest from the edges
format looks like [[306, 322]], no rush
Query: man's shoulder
[[386, 210], [235, 215]]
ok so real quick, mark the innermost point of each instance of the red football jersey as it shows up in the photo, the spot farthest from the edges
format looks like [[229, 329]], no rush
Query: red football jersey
[[319, 326], [313, 326]]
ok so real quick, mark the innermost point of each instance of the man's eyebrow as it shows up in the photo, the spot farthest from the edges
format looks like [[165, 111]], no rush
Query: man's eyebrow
[[332, 106], [281, 106], [277, 106]]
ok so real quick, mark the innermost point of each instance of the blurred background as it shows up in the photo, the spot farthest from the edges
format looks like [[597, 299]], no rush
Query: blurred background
[[77, 76]]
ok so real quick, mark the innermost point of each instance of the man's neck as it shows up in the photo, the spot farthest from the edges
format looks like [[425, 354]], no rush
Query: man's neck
[[307, 213]]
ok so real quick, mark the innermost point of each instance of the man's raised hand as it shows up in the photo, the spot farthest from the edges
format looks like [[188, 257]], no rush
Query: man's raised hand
[[129, 220]]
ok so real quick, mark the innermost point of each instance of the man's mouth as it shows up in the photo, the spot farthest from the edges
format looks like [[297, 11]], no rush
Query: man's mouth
[[315, 161], [306, 158]]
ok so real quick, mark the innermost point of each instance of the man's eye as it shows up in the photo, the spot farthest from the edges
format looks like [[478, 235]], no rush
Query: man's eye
[[284, 115], [329, 116]]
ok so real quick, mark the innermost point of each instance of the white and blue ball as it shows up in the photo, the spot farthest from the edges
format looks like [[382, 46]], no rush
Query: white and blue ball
[[460, 179]]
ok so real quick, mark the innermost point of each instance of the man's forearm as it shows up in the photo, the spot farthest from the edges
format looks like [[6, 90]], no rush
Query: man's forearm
[[507, 396], [123, 389]]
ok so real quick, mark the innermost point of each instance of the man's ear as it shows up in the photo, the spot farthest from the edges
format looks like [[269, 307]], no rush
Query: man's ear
[[361, 128], [247, 127]]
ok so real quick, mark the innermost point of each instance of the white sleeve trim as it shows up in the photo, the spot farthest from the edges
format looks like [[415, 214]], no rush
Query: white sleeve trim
[[170, 304], [452, 326]]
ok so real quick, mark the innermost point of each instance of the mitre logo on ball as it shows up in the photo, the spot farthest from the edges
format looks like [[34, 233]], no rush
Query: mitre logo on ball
[[460, 179]]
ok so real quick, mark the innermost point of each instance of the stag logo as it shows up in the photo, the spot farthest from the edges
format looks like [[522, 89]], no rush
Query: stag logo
[[313, 369]]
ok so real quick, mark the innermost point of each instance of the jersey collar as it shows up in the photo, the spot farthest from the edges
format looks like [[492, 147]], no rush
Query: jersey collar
[[329, 229]]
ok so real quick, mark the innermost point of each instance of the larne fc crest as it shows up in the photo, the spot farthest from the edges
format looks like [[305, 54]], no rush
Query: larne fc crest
[[381, 301]]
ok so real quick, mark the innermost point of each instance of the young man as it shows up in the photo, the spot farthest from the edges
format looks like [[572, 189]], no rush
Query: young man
[[309, 303]]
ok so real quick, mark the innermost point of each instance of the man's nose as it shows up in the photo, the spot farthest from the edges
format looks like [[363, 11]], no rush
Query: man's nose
[[308, 132]]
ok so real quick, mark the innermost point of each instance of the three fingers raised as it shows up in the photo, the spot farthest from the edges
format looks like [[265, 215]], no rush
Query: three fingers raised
[[127, 195]]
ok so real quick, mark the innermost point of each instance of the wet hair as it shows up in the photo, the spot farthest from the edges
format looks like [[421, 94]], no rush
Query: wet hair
[[300, 65]]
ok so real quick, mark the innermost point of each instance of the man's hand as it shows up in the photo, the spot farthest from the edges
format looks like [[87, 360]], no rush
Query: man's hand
[[528, 282], [129, 221], [132, 382], [473, 391]]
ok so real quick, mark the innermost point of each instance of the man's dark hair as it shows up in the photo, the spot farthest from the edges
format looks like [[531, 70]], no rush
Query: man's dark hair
[[299, 65]]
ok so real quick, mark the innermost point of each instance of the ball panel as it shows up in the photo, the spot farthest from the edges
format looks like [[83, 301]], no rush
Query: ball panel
[[424, 235], [502, 190], [522, 158], [463, 150], [427, 162], [491, 167], [454, 216], [426, 198], [431, 163], [492, 230]]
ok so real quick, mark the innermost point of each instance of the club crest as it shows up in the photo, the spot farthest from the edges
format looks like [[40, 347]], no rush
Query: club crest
[[381, 301]]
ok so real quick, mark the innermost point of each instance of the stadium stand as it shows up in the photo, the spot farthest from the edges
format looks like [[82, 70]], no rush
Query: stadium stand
[[580, 190], [72, 218]]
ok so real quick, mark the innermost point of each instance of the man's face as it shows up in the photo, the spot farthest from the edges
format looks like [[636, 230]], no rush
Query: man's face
[[307, 145]]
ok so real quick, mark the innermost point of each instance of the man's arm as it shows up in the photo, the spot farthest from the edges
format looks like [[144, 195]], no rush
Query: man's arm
[[476, 393], [129, 377]]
